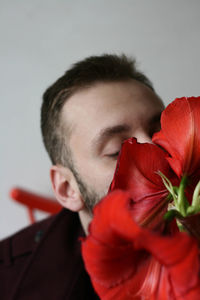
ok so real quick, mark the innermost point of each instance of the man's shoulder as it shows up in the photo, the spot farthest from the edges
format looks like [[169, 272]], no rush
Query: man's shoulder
[[23, 242], [31, 258]]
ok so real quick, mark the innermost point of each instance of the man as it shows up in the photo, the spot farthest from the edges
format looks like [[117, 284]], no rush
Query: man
[[86, 115]]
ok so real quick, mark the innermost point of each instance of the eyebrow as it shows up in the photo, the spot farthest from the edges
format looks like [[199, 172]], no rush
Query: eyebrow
[[109, 132]]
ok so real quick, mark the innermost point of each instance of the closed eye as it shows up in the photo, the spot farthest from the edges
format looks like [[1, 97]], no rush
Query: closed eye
[[113, 155]]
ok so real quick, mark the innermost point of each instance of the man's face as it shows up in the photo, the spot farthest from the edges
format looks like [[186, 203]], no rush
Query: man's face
[[101, 117]]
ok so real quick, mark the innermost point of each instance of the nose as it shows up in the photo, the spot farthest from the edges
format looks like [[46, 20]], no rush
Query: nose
[[142, 137]]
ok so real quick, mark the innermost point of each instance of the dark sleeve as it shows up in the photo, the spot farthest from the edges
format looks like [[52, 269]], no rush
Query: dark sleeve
[[15, 253]]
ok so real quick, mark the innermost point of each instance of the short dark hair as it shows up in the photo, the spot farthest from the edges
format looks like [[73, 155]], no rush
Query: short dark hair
[[85, 73]]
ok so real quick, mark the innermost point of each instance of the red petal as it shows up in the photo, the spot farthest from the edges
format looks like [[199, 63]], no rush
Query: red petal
[[108, 254], [179, 254], [180, 123], [128, 262], [137, 172]]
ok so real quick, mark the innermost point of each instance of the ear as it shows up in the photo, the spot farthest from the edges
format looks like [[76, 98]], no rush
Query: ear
[[66, 188]]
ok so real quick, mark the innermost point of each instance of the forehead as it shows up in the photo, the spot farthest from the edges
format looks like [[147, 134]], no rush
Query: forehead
[[108, 104]]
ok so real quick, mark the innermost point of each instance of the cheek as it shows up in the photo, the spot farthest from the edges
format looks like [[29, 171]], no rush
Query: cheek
[[102, 175], [97, 174]]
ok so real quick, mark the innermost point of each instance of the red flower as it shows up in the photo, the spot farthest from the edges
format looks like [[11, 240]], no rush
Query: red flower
[[180, 135], [137, 172], [139, 164], [127, 262]]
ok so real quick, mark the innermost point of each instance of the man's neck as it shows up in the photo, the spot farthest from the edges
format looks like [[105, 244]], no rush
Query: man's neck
[[85, 218]]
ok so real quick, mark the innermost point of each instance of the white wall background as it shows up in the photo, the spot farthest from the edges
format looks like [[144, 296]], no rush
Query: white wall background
[[40, 39]]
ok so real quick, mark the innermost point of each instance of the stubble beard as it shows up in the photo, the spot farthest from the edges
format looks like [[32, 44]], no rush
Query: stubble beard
[[90, 197]]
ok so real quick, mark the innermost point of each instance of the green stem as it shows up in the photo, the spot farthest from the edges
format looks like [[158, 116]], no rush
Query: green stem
[[196, 198], [182, 203]]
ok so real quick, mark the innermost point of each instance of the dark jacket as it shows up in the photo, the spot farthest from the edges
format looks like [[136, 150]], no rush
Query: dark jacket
[[44, 261]]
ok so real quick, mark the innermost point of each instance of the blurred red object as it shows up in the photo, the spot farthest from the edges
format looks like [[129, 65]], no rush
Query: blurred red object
[[34, 202]]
